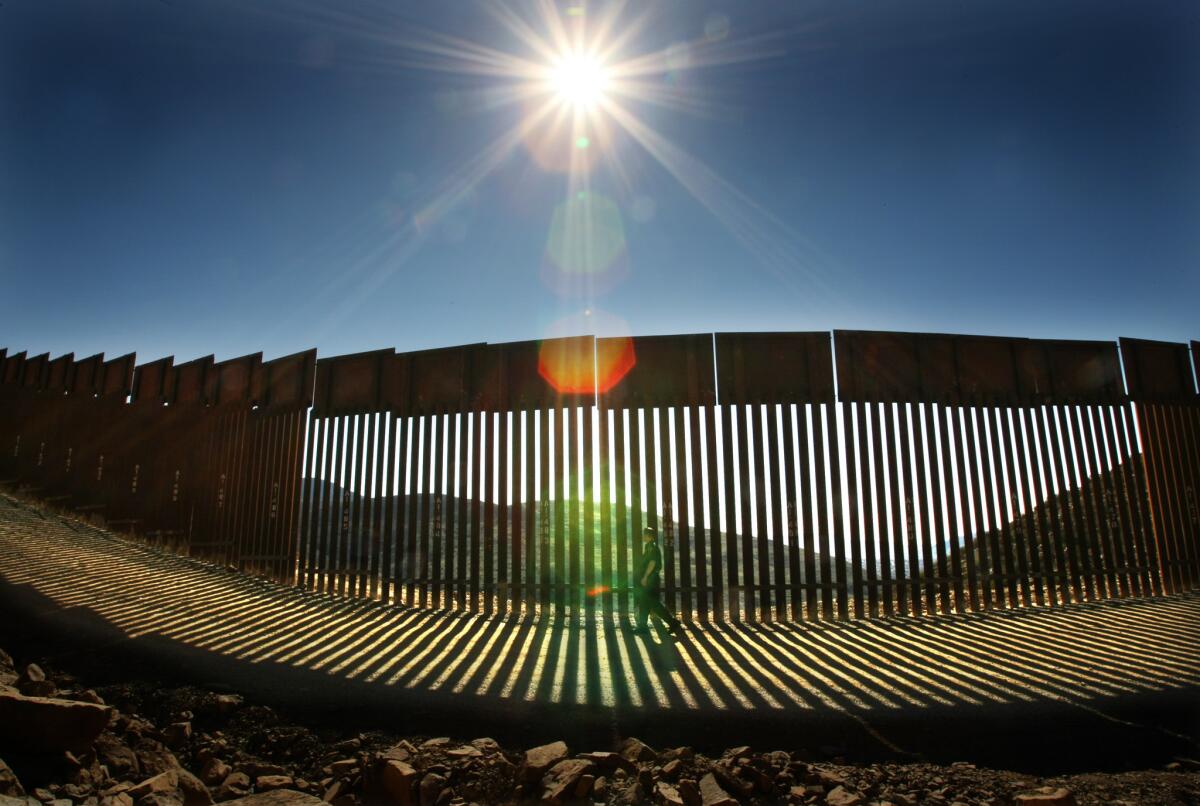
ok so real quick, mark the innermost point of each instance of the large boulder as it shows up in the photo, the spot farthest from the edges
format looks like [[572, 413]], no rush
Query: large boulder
[[636, 750], [558, 785], [398, 779], [121, 761], [540, 759], [40, 724], [711, 793]]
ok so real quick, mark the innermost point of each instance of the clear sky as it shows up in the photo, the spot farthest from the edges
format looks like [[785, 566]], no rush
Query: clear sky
[[185, 176]]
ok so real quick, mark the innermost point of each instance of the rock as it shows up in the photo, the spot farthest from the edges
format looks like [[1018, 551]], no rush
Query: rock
[[45, 795], [738, 752], [667, 794], [333, 792], [154, 758], [540, 759], [671, 768], [431, 787], [558, 785], [257, 768], [178, 734], [268, 783], [235, 785], [37, 688], [830, 779], [711, 793], [584, 786], [120, 760], [397, 752], [690, 792], [466, 751], [841, 796], [119, 799], [635, 750], [433, 744], [162, 784], [89, 695], [9, 785], [227, 703], [44, 725], [195, 793], [214, 771], [76, 793], [645, 777], [33, 683], [731, 782], [600, 788], [1047, 796], [609, 761], [343, 767], [632, 794], [278, 797], [486, 746], [398, 779]]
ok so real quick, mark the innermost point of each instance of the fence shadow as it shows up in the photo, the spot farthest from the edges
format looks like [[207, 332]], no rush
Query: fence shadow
[[1121, 675]]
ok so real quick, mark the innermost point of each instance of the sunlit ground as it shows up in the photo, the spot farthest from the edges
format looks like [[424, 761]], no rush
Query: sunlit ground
[[1078, 655]]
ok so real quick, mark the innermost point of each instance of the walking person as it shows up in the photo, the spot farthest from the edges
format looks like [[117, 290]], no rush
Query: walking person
[[647, 581]]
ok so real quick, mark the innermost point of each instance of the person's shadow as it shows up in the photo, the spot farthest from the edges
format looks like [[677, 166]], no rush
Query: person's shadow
[[660, 648]]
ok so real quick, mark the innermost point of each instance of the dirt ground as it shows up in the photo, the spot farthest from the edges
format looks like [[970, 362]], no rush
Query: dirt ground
[[227, 736]]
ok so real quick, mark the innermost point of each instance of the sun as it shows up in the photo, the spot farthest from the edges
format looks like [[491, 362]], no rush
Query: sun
[[579, 80]]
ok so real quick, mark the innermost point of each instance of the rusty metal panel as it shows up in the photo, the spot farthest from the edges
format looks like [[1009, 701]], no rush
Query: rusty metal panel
[[1034, 383], [288, 381], [152, 380], [987, 368], [236, 380], [877, 366], [33, 373], [488, 377], [439, 379], [350, 384], [58, 372], [528, 375], [662, 371], [190, 381], [938, 367], [775, 367], [85, 376], [1084, 371], [396, 385], [13, 366], [118, 376], [1157, 371]]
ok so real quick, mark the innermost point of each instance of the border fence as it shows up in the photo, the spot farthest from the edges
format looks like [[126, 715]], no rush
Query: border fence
[[791, 476]]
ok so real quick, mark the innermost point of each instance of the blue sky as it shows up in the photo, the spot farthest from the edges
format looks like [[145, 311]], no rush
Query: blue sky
[[183, 177]]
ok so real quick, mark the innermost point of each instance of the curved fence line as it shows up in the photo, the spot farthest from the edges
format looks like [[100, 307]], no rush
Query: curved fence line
[[790, 476]]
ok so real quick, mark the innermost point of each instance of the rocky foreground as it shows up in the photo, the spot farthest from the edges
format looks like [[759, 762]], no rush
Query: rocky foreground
[[138, 745]]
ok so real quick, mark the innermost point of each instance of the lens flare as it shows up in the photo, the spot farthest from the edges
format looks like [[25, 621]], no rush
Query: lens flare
[[614, 358], [585, 249], [566, 364]]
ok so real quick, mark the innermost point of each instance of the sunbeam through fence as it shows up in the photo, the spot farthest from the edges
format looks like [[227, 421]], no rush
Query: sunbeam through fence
[[790, 476]]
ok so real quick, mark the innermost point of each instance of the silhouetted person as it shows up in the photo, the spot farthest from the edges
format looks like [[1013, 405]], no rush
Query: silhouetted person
[[646, 583]]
